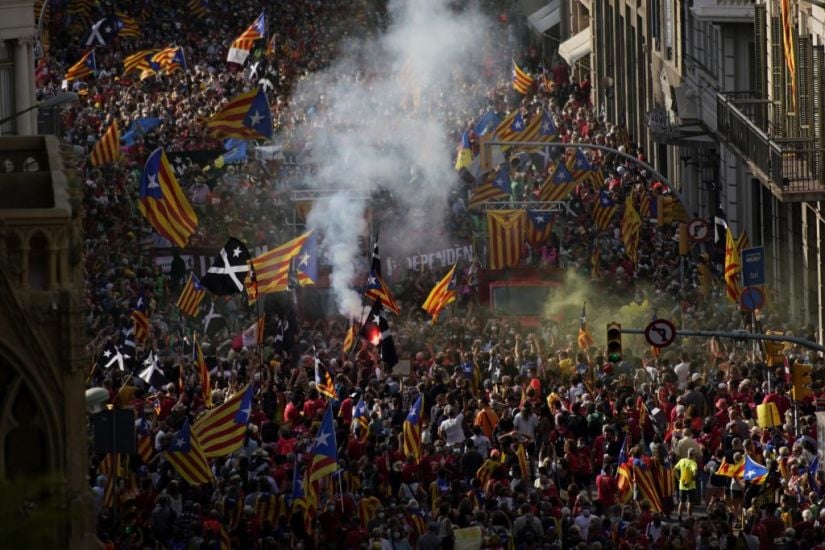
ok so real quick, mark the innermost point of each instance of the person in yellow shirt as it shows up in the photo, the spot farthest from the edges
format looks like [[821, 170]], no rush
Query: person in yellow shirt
[[567, 366], [687, 469]]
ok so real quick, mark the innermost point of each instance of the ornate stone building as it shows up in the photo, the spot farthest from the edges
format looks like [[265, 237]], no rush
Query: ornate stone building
[[43, 427]]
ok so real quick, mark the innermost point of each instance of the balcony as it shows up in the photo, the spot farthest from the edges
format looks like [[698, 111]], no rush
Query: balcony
[[792, 168], [723, 11]]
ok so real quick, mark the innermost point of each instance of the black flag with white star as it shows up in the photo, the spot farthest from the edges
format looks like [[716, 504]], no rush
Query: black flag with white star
[[112, 356], [386, 345], [228, 271], [152, 374]]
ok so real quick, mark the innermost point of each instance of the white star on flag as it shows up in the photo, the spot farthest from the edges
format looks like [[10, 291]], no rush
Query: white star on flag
[[153, 181], [304, 260], [321, 440], [255, 118]]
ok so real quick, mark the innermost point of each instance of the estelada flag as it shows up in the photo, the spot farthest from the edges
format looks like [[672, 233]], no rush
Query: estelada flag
[[506, 231], [107, 149]]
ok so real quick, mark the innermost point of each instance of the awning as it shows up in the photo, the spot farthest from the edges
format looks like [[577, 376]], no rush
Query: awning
[[546, 17], [577, 46]]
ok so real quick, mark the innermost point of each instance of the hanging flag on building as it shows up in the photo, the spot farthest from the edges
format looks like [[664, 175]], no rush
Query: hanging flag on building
[[733, 269], [506, 231], [540, 227], [603, 211], [559, 186], [631, 227], [786, 8]]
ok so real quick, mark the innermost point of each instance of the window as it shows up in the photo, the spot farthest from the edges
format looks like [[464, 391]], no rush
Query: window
[[669, 23], [6, 87]]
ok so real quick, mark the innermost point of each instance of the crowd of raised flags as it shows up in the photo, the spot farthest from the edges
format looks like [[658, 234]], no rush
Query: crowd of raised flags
[[216, 427]]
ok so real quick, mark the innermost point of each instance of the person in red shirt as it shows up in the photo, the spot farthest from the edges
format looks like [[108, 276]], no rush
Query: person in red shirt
[[345, 410], [779, 398], [313, 404], [606, 488], [292, 412]]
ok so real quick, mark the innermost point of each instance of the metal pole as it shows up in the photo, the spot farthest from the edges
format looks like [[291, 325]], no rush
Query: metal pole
[[739, 335], [610, 150]]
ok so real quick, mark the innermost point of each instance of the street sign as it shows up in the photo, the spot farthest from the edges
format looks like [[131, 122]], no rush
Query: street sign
[[698, 230], [752, 298], [753, 266], [660, 333]]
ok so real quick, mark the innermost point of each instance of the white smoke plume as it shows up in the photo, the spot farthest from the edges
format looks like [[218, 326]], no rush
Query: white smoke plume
[[379, 126]]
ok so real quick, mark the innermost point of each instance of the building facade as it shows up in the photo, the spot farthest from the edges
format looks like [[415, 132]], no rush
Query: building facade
[[43, 360], [704, 87], [18, 33]]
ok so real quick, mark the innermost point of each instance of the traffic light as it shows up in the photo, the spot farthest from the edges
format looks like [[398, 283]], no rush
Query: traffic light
[[614, 342], [774, 350], [801, 380]]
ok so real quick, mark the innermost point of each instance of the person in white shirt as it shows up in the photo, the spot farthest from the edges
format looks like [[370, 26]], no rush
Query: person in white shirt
[[682, 371], [480, 441], [525, 422], [451, 429], [583, 521]]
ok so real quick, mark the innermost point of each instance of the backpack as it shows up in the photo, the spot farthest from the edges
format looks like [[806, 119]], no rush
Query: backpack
[[687, 474]]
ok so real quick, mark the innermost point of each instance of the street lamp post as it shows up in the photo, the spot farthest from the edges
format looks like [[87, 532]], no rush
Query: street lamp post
[[45, 105]]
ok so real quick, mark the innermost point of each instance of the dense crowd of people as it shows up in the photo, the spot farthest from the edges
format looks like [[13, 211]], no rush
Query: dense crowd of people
[[530, 437]]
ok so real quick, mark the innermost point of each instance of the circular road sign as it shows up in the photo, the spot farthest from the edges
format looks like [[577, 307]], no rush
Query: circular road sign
[[752, 298], [698, 230], [660, 333]]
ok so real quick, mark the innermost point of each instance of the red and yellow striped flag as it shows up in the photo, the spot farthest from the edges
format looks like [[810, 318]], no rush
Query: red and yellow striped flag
[[788, 29], [349, 338], [733, 267], [107, 149], [522, 82], [191, 296], [82, 68], [272, 268], [631, 224], [139, 61], [442, 294], [505, 232]]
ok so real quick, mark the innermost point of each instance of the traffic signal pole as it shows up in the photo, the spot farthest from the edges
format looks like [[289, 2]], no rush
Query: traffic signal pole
[[739, 336]]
